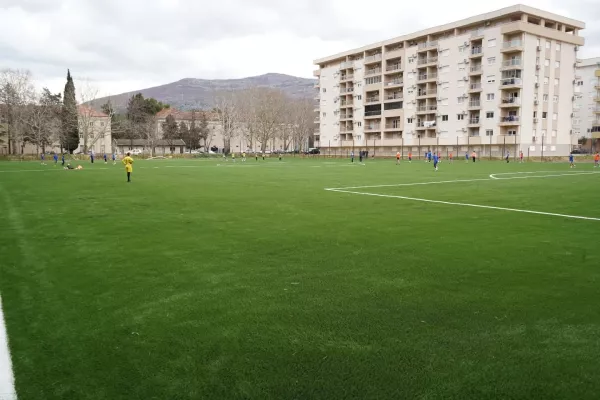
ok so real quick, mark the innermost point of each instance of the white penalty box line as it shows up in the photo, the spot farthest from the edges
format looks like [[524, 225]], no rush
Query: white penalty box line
[[493, 177]]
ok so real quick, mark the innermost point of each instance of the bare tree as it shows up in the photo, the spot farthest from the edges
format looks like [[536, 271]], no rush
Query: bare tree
[[302, 123], [93, 124], [42, 119], [228, 114], [16, 92], [263, 114]]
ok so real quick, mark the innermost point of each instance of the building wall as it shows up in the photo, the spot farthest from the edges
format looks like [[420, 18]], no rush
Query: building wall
[[586, 92]]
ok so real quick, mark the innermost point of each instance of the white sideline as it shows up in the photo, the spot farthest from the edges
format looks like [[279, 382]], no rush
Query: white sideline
[[7, 380], [495, 176], [345, 190]]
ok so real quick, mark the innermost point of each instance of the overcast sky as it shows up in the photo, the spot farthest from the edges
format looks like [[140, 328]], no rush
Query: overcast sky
[[124, 45]]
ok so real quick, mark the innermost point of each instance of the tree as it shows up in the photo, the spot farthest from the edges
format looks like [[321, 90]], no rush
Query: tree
[[227, 111], [183, 133], [16, 91], [302, 123], [263, 112], [70, 121], [204, 133], [93, 125], [170, 130], [42, 119]]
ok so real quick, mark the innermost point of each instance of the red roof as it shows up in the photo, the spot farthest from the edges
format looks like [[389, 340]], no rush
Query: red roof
[[91, 112]]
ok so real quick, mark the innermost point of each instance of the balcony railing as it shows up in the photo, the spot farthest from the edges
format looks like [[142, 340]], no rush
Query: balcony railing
[[512, 63], [372, 99], [373, 71], [512, 43], [474, 121], [477, 33], [392, 126], [347, 64], [393, 67], [475, 68], [346, 77], [426, 92], [476, 50], [425, 77], [394, 82], [375, 57], [372, 113], [394, 96], [509, 118], [375, 127], [346, 103], [425, 45], [475, 86], [432, 107], [475, 104], [429, 60], [510, 81], [511, 100], [347, 90]]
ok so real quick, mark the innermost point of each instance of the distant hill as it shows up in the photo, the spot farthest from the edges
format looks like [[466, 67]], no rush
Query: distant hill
[[191, 93]]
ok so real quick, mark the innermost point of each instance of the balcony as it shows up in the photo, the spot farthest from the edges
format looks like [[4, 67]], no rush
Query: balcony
[[346, 104], [475, 87], [393, 68], [347, 64], [510, 102], [473, 122], [394, 52], [427, 93], [347, 90], [394, 126], [394, 96], [344, 78], [512, 46], [372, 114], [426, 125], [346, 117], [394, 82], [511, 64], [372, 59], [317, 72], [427, 77], [373, 71], [476, 52], [372, 99], [347, 129], [317, 121], [596, 110], [475, 70], [477, 34], [510, 83], [474, 104], [372, 127], [428, 45], [425, 61], [430, 109], [508, 120]]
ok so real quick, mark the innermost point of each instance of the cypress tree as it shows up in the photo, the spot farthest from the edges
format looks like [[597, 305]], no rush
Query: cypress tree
[[70, 126]]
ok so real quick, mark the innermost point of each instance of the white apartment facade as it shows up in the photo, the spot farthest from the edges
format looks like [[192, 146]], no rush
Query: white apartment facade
[[502, 81], [586, 120]]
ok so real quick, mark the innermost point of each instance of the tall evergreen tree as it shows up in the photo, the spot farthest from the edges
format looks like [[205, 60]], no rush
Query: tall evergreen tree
[[70, 126]]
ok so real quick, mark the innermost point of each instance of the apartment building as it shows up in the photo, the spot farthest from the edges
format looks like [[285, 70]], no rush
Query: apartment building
[[497, 82], [586, 113]]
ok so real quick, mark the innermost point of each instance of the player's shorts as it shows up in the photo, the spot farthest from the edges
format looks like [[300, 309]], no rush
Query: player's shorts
[[435, 164], [409, 158]]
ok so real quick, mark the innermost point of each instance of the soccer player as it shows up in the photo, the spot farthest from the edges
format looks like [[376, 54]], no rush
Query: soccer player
[[114, 155], [450, 157], [429, 156], [397, 157], [263, 155], [467, 156], [439, 156], [474, 156], [280, 156], [43, 157], [360, 156], [128, 162], [409, 156], [63, 159], [436, 159], [233, 156], [55, 159], [521, 156], [507, 157], [92, 156], [571, 161], [351, 156], [596, 159], [105, 159], [244, 156]]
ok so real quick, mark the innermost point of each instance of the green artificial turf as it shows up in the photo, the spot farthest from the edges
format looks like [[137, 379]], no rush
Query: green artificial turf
[[207, 280]]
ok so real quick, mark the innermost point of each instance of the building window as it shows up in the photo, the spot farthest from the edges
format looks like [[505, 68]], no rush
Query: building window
[[547, 44], [460, 117], [538, 42], [489, 132], [546, 80], [359, 124], [556, 82], [547, 62], [491, 78], [492, 43], [460, 100], [579, 83], [446, 53], [359, 97], [489, 114], [544, 115], [491, 60], [324, 114], [535, 114], [554, 116], [444, 118], [461, 49], [556, 64], [537, 61], [512, 132], [558, 46], [410, 120], [545, 97], [555, 99], [324, 90], [491, 96]]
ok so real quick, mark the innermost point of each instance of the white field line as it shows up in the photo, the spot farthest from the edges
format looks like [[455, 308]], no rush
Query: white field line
[[495, 176], [345, 190], [7, 380]]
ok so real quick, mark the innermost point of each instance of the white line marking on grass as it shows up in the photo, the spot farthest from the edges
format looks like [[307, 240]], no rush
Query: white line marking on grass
[[465, 204], [7, 379], [408, 184], [495, 176]]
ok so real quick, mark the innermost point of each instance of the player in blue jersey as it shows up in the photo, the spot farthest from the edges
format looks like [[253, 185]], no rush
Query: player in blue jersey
[[571, 161], [436, 159], [55, 159]]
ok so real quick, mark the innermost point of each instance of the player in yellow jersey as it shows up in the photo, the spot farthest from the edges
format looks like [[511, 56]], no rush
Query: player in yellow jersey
[[128, 162], [244, 156]]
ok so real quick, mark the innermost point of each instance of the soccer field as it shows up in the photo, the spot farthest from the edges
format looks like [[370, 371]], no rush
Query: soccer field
[[210, 280]]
